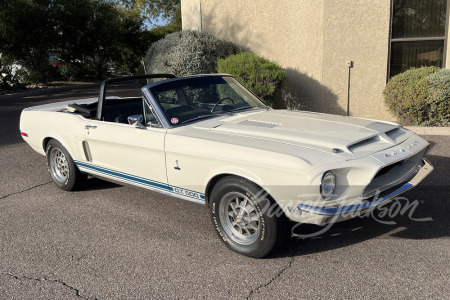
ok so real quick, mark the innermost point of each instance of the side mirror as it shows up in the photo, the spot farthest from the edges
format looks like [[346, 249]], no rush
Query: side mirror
[[136, 120]]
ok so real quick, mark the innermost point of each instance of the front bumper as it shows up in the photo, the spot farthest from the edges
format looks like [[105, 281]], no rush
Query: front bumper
[[323, 215]]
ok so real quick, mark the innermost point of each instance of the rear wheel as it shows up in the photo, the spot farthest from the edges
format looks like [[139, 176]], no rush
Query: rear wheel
[[62, 168], [245, 218]]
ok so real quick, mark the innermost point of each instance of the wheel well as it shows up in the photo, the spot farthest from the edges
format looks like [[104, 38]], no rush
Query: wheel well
[[45, 142], [211, 184], [216, 179]]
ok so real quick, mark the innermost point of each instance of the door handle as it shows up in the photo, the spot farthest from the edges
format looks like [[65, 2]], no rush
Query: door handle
[[90, 127]]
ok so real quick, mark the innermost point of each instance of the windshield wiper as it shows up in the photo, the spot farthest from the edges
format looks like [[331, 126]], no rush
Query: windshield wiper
[[198, 118]]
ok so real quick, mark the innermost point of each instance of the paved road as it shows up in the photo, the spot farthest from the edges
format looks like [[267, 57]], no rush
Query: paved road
[[114, 242]]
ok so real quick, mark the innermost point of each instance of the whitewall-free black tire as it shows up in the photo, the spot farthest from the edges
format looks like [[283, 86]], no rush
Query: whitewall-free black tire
[[245, 218], [62, 168]]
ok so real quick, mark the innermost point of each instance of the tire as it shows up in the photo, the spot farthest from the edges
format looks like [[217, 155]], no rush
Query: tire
[[62, 168], [245, 218]]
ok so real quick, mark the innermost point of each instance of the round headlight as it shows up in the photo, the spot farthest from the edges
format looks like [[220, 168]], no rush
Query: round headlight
[[328, 185]]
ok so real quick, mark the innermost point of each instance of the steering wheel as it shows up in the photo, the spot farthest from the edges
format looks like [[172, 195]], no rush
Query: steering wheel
[[220, 101]]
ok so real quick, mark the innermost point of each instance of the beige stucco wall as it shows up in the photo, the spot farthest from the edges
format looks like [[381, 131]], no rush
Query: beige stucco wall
[[265, 27], [314, 41], [358, 33], [191, 14]]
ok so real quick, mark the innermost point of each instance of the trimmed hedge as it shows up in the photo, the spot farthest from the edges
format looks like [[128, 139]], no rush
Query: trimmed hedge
[[187, 53], [265, 78], [420, 96]]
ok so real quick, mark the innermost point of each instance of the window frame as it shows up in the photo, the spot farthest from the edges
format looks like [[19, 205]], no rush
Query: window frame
[[417, 39]]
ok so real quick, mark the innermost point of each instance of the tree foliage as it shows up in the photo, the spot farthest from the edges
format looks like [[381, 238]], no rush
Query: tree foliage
[[9, 75], [154, 9], [82, 37], [27, 34]]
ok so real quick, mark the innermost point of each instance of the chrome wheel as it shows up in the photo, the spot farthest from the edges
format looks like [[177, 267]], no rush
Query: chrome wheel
[[239, 218], [59, 166]]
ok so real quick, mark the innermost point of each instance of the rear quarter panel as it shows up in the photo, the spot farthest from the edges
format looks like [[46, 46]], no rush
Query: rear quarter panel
[[67, 128]]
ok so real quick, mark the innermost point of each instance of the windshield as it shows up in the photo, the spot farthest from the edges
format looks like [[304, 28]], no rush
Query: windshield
[[196, 98]]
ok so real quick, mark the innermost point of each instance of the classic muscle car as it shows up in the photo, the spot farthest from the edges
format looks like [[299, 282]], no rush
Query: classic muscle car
[[208, 139]]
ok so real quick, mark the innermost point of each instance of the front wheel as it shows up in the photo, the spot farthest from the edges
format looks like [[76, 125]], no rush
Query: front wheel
[[62, 168], [245, 218]]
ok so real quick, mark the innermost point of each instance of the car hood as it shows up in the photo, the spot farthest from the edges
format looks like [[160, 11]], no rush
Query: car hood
[[346, 137]]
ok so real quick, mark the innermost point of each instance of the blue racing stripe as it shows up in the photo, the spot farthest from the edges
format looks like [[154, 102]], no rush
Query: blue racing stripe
[[140, 180], [125, 176]]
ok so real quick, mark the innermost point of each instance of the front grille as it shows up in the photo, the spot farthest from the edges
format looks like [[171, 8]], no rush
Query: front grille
[[386, 170], [394, 174]]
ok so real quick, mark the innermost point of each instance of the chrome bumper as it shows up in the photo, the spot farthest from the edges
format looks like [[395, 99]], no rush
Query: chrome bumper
[[423, 172]]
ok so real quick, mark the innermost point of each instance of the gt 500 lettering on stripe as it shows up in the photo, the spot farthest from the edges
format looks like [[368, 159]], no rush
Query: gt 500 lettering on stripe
[[186, 193]]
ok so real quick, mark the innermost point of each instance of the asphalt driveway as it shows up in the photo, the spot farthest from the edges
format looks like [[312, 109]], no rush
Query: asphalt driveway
[[115, 242]]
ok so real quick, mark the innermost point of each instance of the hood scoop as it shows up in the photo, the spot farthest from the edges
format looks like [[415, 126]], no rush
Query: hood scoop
[[259, 124]]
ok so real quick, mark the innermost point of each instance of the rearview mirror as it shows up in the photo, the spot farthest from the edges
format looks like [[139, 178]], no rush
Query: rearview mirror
[[136, 120]]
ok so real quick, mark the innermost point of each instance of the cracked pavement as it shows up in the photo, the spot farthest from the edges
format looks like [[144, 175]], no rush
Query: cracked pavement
[[44, 279], [114, 242]]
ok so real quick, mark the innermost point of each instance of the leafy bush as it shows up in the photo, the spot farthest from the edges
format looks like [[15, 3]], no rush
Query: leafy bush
[[187, 53], [265, 78], [420, 96], [439, 105]]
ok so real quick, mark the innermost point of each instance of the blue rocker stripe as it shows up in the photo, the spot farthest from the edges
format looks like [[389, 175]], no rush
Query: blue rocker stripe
[[331, 211], [124, 176], [131, 178]]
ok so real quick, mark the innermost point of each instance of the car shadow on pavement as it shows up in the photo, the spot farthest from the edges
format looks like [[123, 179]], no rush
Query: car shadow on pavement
[[95, 184], [421, 213]]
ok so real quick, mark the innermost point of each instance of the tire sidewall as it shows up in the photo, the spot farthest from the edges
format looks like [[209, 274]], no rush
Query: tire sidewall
[[267, 235], [69, 182]]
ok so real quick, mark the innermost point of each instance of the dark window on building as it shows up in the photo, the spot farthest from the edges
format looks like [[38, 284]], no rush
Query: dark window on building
[[417, 34]]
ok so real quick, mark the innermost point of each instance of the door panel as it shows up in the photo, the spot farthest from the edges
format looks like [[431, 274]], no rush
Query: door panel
[[126, 153]]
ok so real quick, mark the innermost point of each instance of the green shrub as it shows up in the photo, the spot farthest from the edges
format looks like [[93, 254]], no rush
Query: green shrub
[[420, 96], [439, 105], [265, 78], [187, 53]]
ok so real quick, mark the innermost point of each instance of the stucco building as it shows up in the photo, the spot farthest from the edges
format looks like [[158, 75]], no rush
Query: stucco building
[[333, 50]]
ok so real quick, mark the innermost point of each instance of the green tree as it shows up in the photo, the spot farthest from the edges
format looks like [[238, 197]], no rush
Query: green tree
[[169, 10], [72, 22], [108, 32], [95, 34], [83, 36], [27, 35]]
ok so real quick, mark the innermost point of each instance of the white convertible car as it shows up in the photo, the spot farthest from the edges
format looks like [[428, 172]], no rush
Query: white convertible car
[[208, 139]]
